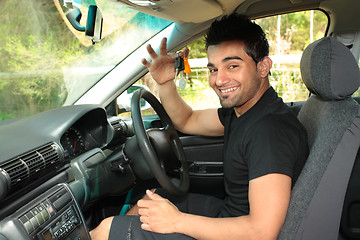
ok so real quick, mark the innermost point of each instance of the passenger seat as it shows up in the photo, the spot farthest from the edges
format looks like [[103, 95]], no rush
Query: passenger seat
[[332, 120]]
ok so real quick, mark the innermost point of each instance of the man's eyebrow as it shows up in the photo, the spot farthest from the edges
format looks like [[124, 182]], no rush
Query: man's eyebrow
[[232, 58], [226, 59]]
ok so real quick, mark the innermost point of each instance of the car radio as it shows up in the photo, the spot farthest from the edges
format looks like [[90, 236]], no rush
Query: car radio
[[52, 215], [63, 227]]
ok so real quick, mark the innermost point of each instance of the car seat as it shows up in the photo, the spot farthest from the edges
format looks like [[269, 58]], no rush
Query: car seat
[[332, 120]]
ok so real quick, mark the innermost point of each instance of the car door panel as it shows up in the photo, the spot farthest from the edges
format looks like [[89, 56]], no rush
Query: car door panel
[[205, 161]]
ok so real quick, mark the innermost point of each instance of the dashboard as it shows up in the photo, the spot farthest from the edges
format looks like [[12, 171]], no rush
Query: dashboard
[[36, 148], [23, 135], [52, 164], [56, 165]]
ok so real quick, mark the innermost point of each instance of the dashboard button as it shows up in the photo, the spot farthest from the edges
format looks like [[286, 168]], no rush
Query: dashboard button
[[23, 219], [28, 227], [49, 208], [34, 222], [29, 215], [40, 218], [45, 214], [40, 207], [35, 211]]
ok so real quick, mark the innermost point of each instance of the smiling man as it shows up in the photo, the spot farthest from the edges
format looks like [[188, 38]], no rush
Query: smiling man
[[238, 82], [264, 150]]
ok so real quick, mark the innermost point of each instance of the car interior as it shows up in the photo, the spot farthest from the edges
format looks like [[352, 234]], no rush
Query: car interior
[[65, 169]]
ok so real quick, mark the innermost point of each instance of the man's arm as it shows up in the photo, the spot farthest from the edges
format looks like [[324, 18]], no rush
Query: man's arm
[[203, 122], [269, 197]]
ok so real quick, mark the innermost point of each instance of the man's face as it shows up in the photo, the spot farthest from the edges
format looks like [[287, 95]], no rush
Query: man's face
[[234, 76]]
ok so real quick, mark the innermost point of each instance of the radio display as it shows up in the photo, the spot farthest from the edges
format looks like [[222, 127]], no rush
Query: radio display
[[47, 235]]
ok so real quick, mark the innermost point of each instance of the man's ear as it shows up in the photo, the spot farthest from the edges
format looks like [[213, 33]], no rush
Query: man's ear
[[264, 66]]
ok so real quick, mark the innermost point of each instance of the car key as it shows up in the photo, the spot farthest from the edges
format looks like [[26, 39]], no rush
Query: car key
[[179, 65], [179, 68]]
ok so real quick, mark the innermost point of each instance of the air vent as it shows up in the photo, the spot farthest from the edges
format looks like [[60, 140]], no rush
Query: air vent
[[15, 172], [29, 166], [50, 154], [34, 161]]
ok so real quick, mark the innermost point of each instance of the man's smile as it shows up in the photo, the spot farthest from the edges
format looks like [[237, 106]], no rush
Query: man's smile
[[228, 90]]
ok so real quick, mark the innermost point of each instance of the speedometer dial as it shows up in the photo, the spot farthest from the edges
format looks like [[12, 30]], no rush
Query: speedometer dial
[[73, 142]]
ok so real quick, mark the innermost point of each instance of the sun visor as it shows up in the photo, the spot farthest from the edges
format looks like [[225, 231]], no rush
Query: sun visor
[[178, 10]]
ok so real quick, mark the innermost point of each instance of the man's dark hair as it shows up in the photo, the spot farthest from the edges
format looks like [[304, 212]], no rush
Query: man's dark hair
[[239, 27]]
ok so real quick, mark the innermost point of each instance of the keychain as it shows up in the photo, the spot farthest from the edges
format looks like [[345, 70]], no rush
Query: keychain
[[187, 68], [182, 80], [181, 65]]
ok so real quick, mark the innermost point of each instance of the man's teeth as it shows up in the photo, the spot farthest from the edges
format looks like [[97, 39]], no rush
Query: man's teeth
[[228, 90]]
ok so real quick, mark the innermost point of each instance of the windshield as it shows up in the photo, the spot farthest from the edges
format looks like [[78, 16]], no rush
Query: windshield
[[46, 63]]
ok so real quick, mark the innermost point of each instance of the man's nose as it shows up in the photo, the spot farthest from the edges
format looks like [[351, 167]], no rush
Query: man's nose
[[221, 78]]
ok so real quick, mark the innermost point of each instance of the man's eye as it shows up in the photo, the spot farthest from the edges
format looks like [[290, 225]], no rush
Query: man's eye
[[233, 66], [212, 70]]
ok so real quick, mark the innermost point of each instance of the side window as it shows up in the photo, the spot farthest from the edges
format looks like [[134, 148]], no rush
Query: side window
[[288, 35], [124, 100]]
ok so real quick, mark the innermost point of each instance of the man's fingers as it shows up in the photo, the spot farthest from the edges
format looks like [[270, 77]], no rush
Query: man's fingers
[[142, 203], [163, 47], [146, 203], [151, 51], [145, 62], [153, 196], [143, 211], [186, 52], [145, 227], [144, 219]]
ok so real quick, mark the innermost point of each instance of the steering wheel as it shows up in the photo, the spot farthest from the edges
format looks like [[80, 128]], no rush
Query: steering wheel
[[161, 147]]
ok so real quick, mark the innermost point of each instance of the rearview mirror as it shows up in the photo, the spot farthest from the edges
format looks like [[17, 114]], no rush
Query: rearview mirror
[[94, 22], [74, 17]]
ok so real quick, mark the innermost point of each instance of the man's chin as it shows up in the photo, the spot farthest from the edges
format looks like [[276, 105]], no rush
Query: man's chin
[[226, 104]]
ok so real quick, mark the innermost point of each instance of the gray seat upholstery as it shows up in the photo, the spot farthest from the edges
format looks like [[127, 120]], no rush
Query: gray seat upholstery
[[331, 118]]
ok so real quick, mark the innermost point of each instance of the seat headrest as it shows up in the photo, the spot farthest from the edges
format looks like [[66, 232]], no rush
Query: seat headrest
[[329, 69]]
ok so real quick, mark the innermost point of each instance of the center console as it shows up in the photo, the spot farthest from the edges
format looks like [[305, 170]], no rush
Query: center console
[[54, 214]]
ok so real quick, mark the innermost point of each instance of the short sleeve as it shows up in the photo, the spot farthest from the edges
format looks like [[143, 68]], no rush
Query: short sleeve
[[272, 147], [225, 115], [221, 113]]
